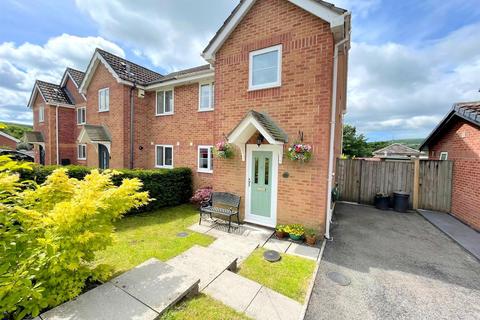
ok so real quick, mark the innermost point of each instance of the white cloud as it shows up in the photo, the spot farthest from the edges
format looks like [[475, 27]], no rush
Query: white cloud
[[171, 34], [406, 91], [21, 65]]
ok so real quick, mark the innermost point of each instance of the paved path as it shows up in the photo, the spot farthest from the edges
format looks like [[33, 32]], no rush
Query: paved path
[[462, 234], [400, 267]]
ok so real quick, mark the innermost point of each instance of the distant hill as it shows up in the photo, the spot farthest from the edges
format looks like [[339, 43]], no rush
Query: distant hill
[[15, 129], [412, 143]]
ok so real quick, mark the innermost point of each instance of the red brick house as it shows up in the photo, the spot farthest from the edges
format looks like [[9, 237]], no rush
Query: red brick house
[[7, 141], [276, 75], [457, 138]]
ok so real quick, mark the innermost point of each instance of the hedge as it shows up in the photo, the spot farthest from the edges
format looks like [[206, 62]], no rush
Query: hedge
[[169, 187]]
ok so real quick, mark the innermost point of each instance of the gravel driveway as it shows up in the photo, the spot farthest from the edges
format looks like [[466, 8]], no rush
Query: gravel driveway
[[400, 267]]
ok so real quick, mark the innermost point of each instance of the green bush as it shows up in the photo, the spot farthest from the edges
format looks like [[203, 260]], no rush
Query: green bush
[[167, 187]]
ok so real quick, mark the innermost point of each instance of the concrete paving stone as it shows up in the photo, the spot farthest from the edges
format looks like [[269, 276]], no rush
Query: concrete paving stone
[[204, 263], [304, 251], [462, 234], [242, 247], [277, 245], [271, 305], [200, 228], [105, 302], [254, 233], [233, 290], [157, 284]]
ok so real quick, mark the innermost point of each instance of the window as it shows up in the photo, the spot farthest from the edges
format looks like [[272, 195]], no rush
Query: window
[[205, 159], [82, 115], [164, 102], [265, 68], [103, 100], [163, 156], [206, 99], [82, 152], [41, 114], [443, 155]]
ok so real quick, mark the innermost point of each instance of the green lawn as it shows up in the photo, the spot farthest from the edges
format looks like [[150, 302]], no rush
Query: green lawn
[[152, 235], [202, 307], [290, 276]]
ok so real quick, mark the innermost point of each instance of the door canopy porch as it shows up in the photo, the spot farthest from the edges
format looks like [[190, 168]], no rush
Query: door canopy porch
[[95, 135], [34, 137], [258, 121]]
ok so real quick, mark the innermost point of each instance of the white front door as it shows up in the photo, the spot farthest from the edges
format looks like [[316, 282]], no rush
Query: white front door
[[261, 184]]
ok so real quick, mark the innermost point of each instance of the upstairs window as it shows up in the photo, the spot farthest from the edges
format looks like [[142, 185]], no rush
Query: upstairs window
[[164, 102], [443, 155], [205, 159], [82, 152], [82, 115], [265, 68], [103, 100], [206, 100], [41, 114], [164, 156]]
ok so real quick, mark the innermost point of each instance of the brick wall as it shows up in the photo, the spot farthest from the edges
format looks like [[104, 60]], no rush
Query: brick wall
[[462, 142], [7, 143], [301, 103], [44, 128]]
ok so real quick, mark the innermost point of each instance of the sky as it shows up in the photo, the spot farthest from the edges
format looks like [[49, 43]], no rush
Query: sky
[[410, 60]]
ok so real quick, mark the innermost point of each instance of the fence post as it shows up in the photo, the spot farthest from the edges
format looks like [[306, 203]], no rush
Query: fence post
[[416, 182]]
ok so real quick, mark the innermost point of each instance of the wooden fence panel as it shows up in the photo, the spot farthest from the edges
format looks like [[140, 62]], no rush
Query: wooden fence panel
[[435, 185], [360, 180]]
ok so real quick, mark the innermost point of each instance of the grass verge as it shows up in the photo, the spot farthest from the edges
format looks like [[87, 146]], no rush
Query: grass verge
[[202, 307], [290, 276], [152, 235]]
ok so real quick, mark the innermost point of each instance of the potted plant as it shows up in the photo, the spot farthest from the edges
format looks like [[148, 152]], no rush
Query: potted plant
[[280, 231], [310, 237], [201, 195], [223, 150], [295, 231], [300, 152]]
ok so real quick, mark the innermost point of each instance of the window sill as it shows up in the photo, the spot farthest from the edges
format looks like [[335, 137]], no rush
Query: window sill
[[204, 171], [82, 159], [165, 114], [164, 167], [103, 111], [263, 87], [206, 110], [81, 124]]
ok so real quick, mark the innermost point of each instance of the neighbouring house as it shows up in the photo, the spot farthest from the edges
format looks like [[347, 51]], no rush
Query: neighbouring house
[[276, 75], [397, 151], [7, 141], [457, 138]]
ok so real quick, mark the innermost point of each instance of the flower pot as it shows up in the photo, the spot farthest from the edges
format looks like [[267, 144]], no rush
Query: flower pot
[[281, 234], [311, 240], [295, 237]]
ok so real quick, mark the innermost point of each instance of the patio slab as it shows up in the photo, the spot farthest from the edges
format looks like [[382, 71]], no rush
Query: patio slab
[[462, 234], [157, 284], [104, 302], [271, 305], [242, 247], [233, 290], [277, 245], [304, 251], [204, 263]]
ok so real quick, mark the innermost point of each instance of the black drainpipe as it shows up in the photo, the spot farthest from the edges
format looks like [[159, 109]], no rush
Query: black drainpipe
[[132, 104]]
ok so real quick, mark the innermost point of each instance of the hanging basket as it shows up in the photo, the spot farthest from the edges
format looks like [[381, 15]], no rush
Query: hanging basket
[[300, 152], [223, 150]]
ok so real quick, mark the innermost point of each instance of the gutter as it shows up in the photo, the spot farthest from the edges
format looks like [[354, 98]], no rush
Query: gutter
[[132, 104], [332, 136]]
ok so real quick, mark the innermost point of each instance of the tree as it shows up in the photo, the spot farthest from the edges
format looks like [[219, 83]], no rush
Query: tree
[[49, 234], [354, 144]]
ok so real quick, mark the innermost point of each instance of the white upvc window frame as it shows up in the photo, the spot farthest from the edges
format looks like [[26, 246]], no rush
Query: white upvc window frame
[[211, 102], [107, 100], [41, 113], [156, 151], [210, 159], [79, 156], [442, 154], [84, 120], [278, 83], [164, 97]]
